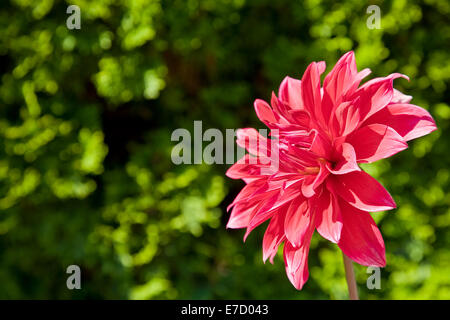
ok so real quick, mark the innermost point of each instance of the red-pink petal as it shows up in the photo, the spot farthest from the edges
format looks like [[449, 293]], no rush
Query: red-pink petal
[[260, 215], [407, 120], [337, 82], [285, 195], [274, 201], [376, 141], [310, 90], [376, 94], [360, 238], [296, 260], [264, 112], [321, 145], [290, 93], [312, 182], [249, 167], [241, 214], [374, 97], [361, 191], [253, 142], [297, 221], [346, 161], [273, 236], [248, 191], [328, 215], [301, 118], [400, 97]]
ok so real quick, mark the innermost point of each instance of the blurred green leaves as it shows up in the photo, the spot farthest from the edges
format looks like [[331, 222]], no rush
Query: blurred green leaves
[[85, 123]]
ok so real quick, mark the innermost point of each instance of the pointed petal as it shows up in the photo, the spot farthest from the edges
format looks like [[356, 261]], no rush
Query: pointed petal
[[249, 167], [253, 142], [297, 221], [346, 118], [285, 195], [361, 191], [312, 182], [400, 97], [273, 236], [374, 97], [376, 94], [249, 201], [360, 238], [337, 82], [407, 120], [329, 217], [241, 215], [275, 201], [321, 145], [247, 191], [375, 142], [265, 112], [310, 90], [261, 215], [321, 66], [301, 118], [290, 93], [296, 260], [346, 162]]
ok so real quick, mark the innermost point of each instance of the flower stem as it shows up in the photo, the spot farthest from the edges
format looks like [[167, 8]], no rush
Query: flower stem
[[350, 276]]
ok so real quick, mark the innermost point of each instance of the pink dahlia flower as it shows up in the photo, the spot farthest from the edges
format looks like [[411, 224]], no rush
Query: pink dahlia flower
[[321, 135]]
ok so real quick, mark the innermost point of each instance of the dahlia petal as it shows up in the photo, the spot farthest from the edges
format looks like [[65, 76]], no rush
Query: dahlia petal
[[299, 275], [301, 117], [296, 260], [376, 94], [347, 162], [400, 97], [301, 156], [329, 216], [361, 239], [374, 97], [260, 215], [375, 142], [271, 203], [361, 75], [392, 76], [259, 218], [253, 142], [273, 236], [247, 191], [345, 118], [241, 214], [269, 185], [407, 120], [299, 138], [321, 66], [297, 221], [249, 167], [308, 186], [311, 182], [337, 81], [320, 145], [290, 93], [281, 111], [284, 195], [310, 90], [361, 191], [355, 83], [264, 112]]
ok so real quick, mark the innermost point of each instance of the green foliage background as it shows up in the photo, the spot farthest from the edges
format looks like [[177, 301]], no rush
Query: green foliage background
[[85, 123]]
